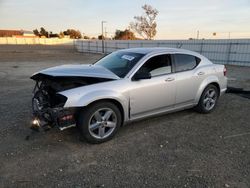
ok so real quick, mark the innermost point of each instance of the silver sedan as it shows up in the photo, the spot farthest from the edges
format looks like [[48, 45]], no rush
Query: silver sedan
[[124, 86]]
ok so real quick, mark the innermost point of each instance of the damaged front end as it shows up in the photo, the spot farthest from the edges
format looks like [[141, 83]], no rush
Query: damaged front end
[[47, 107], [47, 102]]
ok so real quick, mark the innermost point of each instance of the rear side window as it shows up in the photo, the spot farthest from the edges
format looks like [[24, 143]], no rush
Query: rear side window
[[184, 62]]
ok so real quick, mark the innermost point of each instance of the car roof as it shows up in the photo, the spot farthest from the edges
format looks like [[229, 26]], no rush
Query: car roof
[[159, 49]]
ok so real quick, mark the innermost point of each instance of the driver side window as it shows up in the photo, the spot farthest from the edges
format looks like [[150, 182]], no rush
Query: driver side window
[[157, 65]]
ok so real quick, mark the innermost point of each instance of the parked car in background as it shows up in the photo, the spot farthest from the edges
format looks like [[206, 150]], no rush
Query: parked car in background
[[123, 86]]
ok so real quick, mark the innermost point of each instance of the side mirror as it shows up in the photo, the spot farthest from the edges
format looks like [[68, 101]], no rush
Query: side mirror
[[141, 76]]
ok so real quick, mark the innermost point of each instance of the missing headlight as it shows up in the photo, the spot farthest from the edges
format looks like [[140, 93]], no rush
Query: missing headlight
[[58, 100]]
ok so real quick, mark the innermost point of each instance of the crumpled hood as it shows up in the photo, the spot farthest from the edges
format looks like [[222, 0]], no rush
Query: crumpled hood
[[77, 71]]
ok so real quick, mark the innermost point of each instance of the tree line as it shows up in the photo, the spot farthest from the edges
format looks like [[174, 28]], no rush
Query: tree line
[[72, 33], [144, 26]]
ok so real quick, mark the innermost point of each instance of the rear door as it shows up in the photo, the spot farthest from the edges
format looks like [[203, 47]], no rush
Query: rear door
[[188, 79]]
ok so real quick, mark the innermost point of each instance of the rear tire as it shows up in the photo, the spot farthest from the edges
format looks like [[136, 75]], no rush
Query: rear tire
[[99, 122], [208, 100]]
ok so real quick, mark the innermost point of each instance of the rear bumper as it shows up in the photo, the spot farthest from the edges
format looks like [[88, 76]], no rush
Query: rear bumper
[[223, 85], [223, 91]]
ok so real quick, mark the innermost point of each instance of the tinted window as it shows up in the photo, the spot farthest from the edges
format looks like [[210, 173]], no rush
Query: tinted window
[[185, 62], [157, 65], [120, 63]]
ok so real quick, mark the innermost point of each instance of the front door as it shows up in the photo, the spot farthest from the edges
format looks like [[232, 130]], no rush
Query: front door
[[151, 96]]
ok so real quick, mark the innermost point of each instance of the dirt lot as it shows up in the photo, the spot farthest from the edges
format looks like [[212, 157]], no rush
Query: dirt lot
[[183, 149]]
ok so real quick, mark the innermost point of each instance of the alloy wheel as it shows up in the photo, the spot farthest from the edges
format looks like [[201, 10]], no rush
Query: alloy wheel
[[210, 99], [102, 123]]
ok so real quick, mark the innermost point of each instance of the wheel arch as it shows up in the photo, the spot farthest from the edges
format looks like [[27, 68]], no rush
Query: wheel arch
[[114, 101], [213, 80], [216, 85]]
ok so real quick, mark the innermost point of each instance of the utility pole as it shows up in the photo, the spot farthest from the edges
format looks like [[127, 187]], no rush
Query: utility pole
[[103, 37], [105, 32], [198, 33]]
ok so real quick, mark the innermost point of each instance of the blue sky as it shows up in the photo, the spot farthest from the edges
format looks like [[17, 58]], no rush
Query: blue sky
[[177, 18]]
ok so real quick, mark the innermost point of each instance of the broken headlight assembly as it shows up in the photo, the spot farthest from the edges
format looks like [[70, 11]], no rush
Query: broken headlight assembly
[[48, 109]]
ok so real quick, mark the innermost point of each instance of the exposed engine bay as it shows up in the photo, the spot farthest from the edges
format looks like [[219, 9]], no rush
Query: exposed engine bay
[[48, 104]]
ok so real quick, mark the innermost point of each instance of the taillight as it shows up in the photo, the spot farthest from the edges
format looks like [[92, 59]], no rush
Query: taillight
[[225, 71]]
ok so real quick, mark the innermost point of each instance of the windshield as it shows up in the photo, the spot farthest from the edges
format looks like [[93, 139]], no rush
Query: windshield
[[120, 62]]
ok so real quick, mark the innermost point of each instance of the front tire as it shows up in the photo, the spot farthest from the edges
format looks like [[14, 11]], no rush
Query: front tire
[[208, 99], [99, 122]]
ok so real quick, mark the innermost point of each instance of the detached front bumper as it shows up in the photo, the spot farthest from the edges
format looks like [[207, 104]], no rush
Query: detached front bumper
[[62, 118]]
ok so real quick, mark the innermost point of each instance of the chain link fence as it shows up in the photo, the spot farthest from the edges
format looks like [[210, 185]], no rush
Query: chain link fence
[[221, 51]]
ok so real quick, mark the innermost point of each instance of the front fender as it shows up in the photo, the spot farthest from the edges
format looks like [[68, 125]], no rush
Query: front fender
[[98, 95], [203, 85], [92, 96]]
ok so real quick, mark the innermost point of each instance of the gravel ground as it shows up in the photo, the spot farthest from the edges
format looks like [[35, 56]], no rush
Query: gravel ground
[[182, 149]]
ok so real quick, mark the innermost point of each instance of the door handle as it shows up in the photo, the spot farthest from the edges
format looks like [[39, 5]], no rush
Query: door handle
[[201, 73], [169, 79]]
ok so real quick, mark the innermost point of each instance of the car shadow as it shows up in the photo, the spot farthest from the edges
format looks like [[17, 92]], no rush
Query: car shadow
[[239, 91]]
